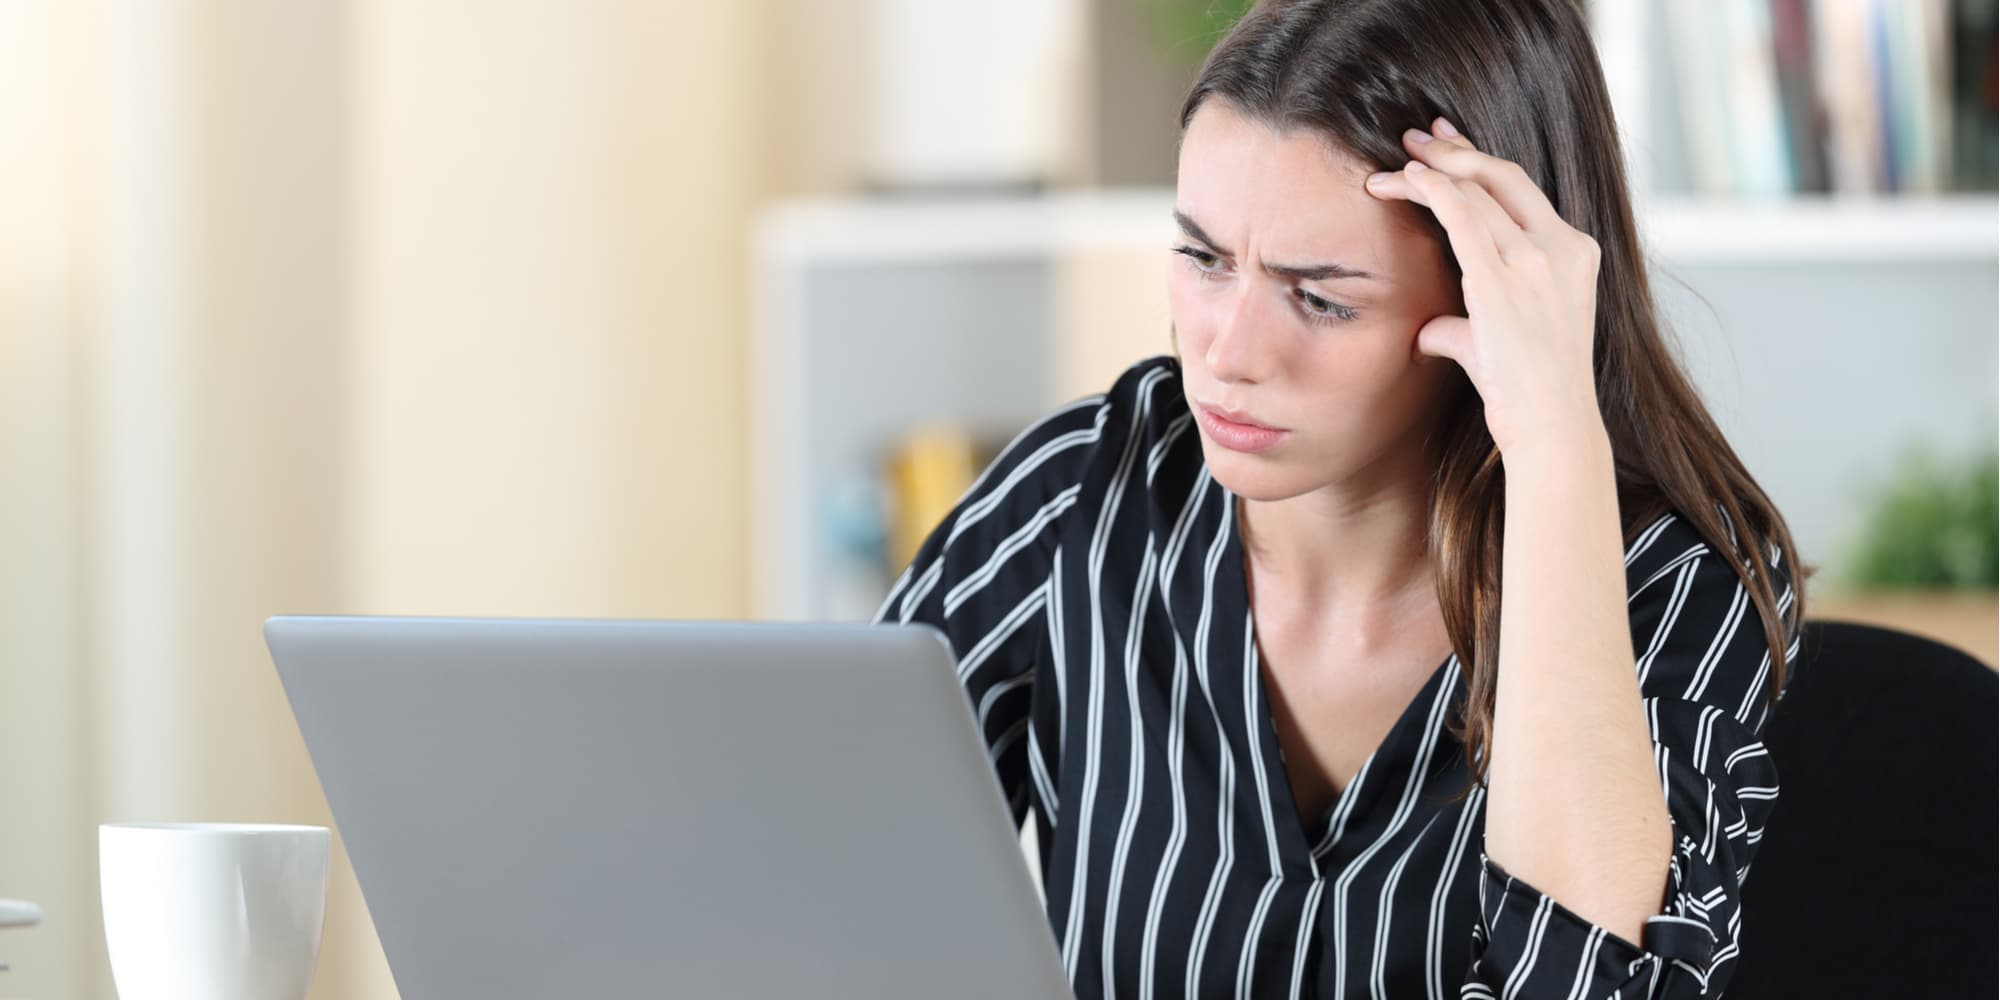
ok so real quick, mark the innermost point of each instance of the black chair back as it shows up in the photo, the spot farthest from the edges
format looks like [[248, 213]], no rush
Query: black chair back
[[1879, 872]]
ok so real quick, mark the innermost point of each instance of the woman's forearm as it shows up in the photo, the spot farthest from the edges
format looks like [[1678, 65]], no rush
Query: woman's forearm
[[1574, 805]]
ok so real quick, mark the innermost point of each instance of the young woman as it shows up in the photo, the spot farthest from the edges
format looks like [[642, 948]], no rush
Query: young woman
[[1409, 630]]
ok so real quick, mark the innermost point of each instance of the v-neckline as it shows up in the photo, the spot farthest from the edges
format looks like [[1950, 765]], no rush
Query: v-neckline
[[1315, 835]]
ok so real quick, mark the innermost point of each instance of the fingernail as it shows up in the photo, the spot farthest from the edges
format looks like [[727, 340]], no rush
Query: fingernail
[[1416, 167], [1379, 178], [1445, 127], [1419, 135]]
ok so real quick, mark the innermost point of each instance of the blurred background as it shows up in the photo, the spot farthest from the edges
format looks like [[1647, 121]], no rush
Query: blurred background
[[674, 310]]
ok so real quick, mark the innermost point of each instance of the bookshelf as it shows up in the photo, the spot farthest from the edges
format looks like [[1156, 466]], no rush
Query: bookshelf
[[1817, 228], [873, 316], [982, 296], [1676, 226], [1815, 100], [1957, 227]]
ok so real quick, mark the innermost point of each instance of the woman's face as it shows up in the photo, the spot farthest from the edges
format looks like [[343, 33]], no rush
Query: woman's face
[[1296, 299]]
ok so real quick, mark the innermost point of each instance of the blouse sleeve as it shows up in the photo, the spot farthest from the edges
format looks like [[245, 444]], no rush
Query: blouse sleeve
[[1705, 674], [982, 577]]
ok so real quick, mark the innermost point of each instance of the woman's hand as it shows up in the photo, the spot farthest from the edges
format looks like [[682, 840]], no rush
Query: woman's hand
[[1530, 286]]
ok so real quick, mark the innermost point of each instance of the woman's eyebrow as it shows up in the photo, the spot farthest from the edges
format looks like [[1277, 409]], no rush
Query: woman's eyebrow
[[1297, 272]]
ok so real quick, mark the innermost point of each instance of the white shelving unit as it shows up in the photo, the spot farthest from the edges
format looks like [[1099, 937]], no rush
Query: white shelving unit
[[872, 314], [805, 250], [1674, 227], [903, 229], [1803, 229]]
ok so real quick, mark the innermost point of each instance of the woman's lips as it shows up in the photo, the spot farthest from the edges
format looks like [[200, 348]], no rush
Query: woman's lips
[[1235, 435]]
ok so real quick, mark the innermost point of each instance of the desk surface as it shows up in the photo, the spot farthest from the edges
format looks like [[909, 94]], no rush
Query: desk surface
[[1968, 619]]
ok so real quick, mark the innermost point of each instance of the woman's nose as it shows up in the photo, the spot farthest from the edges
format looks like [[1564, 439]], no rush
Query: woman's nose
[[1240, 350]]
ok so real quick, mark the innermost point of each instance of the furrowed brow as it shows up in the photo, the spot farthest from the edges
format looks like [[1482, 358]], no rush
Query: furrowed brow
[[1297, 272]]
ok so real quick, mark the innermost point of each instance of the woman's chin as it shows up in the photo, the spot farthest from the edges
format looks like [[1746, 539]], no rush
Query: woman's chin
[[1263, 477]]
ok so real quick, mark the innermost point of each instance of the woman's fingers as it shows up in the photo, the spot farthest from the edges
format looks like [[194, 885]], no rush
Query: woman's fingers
[[1514, 245], [1471, 236], [1509, 184]]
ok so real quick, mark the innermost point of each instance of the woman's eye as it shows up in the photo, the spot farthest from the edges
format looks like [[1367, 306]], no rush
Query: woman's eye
[[1209, 267], [1322, 309], [1204, 262]]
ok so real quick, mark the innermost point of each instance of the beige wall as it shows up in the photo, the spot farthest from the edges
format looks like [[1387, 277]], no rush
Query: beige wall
[[1110, 312], [547, 403], [414, 308], [42, 747], [818, 52]]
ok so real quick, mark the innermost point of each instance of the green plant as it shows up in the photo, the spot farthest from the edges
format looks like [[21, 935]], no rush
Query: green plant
[[1935, 524], [1186, 29]]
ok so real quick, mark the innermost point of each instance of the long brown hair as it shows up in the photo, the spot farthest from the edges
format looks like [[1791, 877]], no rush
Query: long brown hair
[[1520, 79]]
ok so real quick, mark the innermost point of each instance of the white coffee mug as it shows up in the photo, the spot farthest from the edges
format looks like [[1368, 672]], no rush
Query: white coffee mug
[[212, 911]]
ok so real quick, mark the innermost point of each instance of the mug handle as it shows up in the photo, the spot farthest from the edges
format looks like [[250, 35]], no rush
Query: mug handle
[[18, 913]]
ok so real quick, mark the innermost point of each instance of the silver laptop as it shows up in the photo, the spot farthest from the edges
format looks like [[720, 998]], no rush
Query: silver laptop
[[666, 809]]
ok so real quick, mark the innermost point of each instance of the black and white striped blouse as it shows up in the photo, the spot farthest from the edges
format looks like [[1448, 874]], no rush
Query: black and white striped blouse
[[1091, 584]]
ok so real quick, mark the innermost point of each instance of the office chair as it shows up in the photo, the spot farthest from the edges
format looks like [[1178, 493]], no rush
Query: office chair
[[1879, 869]]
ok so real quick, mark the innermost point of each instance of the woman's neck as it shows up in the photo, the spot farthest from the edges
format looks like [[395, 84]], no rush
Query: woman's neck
[[1361, 553]]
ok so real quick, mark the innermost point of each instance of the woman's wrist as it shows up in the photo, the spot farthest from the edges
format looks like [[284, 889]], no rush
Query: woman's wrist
[[1577, 451]]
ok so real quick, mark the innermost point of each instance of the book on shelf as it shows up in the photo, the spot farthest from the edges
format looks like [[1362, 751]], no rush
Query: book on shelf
[[1845, 97]]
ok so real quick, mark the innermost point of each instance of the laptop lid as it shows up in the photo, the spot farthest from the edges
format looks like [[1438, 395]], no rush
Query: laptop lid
[[541, 808]]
